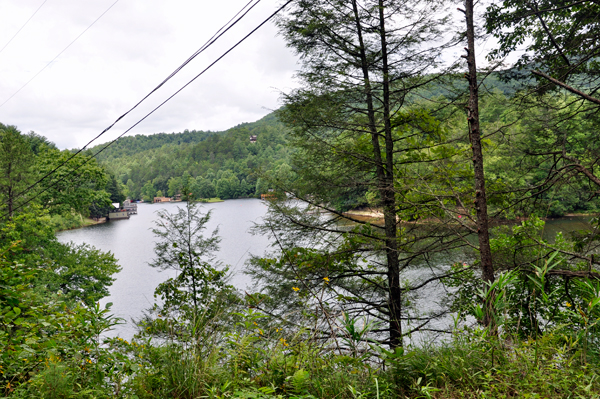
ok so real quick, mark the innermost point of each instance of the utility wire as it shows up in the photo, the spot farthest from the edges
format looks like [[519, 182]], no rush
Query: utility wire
[[59, 54], [21, 28], [205, 46], [159, 106], [210, 41]]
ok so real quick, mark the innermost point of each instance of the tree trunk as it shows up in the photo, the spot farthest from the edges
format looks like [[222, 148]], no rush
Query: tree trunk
[[389, 200], [385, 178], [475, 138]]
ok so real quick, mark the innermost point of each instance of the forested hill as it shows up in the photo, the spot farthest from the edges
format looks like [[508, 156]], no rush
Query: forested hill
[[131, 145], [504, 82], [210, 164]]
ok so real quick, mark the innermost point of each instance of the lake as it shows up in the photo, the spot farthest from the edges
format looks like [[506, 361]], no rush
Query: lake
[[132, 243]]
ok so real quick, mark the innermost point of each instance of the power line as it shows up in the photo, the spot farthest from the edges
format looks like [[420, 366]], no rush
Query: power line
[[21, 28], [205, 46], [160, 105], [198, 75], [59, 54], [210, 41]]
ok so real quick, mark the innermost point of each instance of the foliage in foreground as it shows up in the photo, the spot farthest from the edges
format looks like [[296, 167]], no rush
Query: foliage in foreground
[[248, 361], [52, 348], [53, 341]]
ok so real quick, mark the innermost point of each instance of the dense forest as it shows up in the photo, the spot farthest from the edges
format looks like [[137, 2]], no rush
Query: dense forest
[[209, 164], [228, 165], [407, 208]]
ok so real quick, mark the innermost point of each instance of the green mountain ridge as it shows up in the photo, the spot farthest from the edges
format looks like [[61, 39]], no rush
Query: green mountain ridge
[[151, 165], [147, 164], [131, 145]]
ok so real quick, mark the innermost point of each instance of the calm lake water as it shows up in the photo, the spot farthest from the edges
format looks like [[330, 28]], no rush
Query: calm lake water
[[132, 243]]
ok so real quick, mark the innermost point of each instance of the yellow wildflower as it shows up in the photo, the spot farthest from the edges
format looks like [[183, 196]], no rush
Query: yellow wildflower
[[296, 288], [568, 304]]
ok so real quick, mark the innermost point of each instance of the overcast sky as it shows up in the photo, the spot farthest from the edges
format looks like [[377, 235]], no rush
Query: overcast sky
[[124, 55]]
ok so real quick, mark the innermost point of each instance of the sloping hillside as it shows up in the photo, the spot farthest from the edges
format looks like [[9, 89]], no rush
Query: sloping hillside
[[146, 165]]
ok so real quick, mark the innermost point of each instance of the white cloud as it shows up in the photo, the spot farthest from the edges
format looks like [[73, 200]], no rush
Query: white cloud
[[124, 55]]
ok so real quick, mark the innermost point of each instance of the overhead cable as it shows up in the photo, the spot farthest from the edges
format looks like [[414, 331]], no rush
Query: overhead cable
[[160, 105], [21, 28], [205, 46], [58, 55]]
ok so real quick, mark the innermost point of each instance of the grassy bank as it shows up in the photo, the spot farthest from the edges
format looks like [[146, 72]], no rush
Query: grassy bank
[[71, 221], [211, 200], [255, 361]]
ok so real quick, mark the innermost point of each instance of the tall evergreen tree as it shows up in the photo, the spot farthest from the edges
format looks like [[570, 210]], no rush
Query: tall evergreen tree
[[360, 62], [183, 247], [483, 235]]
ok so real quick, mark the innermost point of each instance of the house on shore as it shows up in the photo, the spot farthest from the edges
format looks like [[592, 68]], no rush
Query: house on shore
[[268, 196], [176, 198], [130, 207]]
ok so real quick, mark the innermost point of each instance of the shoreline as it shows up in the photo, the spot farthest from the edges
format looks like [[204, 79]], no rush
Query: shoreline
[[201, 200], [376, 215], [86, 223]]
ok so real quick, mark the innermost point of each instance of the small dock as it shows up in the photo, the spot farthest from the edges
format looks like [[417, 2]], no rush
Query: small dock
[[268, 197], [118, 214], [129, 208]]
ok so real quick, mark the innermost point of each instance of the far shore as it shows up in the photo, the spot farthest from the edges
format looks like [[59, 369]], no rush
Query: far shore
[[376, 215], [201, 200]]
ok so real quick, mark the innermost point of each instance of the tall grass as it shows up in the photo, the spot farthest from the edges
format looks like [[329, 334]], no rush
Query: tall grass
[[251, 362], [68, 221]]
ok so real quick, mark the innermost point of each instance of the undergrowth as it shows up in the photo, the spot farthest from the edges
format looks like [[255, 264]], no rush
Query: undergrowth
[[254, 363], [68, 221]]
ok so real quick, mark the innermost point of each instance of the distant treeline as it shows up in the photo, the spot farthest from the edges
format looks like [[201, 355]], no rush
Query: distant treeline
[[229, 165], [208, 164]]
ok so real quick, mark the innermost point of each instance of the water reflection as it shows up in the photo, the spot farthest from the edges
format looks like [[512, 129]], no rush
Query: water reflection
[[132, 243], [566, 225]]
